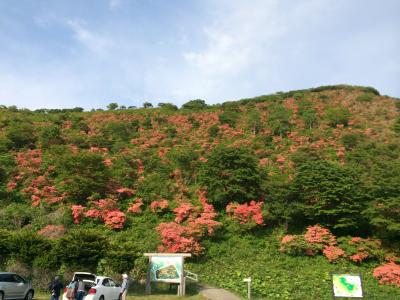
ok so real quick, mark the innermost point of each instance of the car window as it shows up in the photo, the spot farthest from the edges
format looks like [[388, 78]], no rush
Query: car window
[[5, 277], [105, 282], [112, 283], [18, 278], [9, 278]]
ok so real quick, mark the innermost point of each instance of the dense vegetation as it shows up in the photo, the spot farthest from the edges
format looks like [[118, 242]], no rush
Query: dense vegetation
[[240, 185]]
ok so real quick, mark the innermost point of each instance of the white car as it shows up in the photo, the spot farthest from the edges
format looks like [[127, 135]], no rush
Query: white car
[[97, 287]]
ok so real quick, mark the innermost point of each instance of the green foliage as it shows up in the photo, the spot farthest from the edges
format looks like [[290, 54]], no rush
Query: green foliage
[[21, 134], [112, 106], [229, 117], [15, 216], [147, 105], [213, 130], [396, 126], [384, 216], [120, 258], [168, 106], [276, 275], [307, 113], [351, 140], [5, 144], [26, 246], [197, 104], [120, 130], [337, 115], [82, 174], [329, 194], [50, 135], [366, 97], [254, 121], [82, 248], [278, 119], [5, 249], [231, 174]]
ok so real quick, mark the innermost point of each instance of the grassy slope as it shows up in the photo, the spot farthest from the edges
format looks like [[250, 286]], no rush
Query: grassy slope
[[276, 275], [238, 255]]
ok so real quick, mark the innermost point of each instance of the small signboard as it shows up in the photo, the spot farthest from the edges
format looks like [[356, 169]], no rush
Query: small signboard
[[347, 285], [166, 269]]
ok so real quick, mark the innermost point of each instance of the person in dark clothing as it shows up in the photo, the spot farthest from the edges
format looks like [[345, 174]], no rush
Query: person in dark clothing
[[55, 288]]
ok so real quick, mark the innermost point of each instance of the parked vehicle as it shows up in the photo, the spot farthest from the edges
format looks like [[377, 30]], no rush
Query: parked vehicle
[[97, 287], [13, 286]]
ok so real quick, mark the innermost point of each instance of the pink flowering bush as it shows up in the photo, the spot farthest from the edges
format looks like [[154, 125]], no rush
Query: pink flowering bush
[[135, 207], [52, 231], [178, 238], [159, 206], [319, 240], [183, 212], [105, 210], [77, 213], [316, 240], [388, 273], [246, 213], [320, 236], [333, 253], [114, 219], [295, 245], [191, 224], [361, 249]]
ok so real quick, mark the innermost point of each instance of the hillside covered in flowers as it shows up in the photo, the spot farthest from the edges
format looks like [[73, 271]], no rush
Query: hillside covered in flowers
[[316, 172]]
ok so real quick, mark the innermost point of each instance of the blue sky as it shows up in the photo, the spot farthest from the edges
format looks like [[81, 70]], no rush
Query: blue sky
[[88, 53]]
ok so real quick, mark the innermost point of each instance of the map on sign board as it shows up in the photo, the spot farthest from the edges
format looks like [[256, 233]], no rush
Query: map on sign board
[[166, 268], [347, 285]]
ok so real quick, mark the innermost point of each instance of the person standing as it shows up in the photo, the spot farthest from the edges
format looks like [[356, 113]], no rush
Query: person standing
[[124, 286], [71, 290], [80, 289], [55, 288]]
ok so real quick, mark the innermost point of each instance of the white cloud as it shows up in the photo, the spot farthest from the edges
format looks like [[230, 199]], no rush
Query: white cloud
[[95, 42], [241, 54]]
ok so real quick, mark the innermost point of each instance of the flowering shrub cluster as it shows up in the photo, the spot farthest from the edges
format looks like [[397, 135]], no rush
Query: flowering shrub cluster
[[360, 249], [316, 239], [246, 213], [52, 231], [190, 225], [388, 273], [158, 206], [135, 207], [104, 209]]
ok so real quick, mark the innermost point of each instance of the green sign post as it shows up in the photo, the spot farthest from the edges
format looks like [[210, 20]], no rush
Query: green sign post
[[346, 285]]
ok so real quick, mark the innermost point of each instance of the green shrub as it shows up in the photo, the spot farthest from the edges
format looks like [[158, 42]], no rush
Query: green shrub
[[82, 248], [331, 195], [229, 117], [27, 245], [230, 174], [21, 134], [197, 104], [337, 115], [213, 131], [366, 97], [351, 140]]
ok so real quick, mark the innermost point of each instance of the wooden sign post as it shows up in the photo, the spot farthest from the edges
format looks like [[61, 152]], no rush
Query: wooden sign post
[[166, 267]]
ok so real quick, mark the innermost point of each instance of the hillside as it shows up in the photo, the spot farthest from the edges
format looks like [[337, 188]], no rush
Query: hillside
[[237, 184]]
